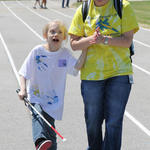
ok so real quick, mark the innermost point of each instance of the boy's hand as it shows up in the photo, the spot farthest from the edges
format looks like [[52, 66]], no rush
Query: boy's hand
[[22, 94]]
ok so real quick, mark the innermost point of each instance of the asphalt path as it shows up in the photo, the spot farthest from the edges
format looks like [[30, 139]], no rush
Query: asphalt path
[[20, 30]]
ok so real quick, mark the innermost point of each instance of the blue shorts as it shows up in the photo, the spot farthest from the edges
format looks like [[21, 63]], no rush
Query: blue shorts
[[40, 129]]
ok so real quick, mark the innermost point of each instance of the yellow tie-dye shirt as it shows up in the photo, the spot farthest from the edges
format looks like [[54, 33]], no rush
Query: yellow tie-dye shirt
[[104, 61]]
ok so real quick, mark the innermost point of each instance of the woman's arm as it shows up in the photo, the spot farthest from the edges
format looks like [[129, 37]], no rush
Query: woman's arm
[[78, 43], [124, 40]]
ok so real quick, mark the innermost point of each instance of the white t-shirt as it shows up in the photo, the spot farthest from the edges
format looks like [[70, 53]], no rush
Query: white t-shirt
[[46, 72]]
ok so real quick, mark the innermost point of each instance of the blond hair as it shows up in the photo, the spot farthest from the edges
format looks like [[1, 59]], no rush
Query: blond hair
[[60, 23]]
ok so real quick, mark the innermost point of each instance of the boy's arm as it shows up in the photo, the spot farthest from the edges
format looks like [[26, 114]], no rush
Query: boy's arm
[[23, 92], [81, 60]]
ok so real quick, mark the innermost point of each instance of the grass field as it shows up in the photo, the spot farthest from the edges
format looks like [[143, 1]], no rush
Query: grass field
[[141, 9]]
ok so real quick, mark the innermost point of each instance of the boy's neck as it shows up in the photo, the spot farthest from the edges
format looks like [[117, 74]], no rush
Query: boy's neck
[[50, 49]]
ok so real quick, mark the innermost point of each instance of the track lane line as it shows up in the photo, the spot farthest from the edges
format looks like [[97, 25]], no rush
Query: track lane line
[[10, 58], [145, 29], [60, 13], [33, 31], [141, 69], [143, 128], [146, 45], [45, 18]]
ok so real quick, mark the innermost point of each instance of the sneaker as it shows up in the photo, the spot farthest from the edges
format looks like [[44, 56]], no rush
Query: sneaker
[[45, 145], [34, 7]]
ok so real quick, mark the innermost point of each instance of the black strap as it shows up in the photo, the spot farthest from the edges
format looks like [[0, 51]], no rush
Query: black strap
[[118, 7], [85, 9]]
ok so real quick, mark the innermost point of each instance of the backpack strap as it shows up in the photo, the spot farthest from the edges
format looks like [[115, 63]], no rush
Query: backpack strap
[[85, 9], [118, 7]]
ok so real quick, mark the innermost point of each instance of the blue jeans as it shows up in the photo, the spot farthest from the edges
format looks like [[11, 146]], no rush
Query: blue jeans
[[67, 3], [105, 100], [40, 129]]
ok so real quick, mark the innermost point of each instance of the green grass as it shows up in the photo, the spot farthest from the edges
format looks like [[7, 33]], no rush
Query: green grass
[[141, 9]]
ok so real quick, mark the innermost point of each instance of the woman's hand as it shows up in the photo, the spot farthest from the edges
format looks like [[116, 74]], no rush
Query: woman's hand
[[79, 43], [97, 37]]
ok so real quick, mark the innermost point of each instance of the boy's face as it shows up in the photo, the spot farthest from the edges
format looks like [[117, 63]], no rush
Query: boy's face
[[55, 35]]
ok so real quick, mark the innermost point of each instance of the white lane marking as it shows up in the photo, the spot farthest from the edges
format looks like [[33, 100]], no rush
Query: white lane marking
[[145, 29], [146, 45], [45, 18], [58, 12], [145, 71], [10, 58], [61, 13], [23, 22], [74, 9], [142, 127]]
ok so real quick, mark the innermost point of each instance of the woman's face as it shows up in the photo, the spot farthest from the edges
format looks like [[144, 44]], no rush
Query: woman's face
[[100, 3]]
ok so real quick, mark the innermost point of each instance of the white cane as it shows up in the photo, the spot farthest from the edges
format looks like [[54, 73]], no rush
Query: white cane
[[27, 103]]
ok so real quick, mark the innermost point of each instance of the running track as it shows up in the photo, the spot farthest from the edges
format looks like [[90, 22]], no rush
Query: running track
[[21, 30]]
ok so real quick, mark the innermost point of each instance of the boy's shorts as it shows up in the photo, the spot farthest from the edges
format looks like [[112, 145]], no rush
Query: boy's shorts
[[40, 129]]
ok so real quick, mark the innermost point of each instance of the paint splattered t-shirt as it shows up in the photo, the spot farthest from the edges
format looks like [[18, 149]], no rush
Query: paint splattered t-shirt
[[104, 61], [46, 72]]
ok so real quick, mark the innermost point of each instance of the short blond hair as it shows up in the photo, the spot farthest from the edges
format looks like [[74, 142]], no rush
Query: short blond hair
[[60, 23]]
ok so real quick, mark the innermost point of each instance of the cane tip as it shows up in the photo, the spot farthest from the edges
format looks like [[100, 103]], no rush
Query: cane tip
[[64, 140]]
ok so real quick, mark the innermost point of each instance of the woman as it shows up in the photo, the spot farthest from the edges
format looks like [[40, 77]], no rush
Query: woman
[[106, 77]]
